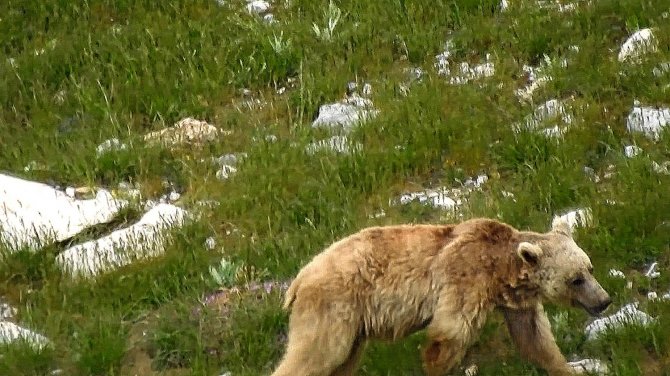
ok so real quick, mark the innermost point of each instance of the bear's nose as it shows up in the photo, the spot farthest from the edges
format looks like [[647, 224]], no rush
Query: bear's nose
[[604, 305]]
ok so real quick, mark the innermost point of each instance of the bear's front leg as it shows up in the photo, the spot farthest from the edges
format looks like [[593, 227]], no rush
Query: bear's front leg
[[450, 333], [531, 331], [440, 356]]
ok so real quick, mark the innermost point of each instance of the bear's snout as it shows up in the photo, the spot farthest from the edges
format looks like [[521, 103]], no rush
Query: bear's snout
[[603, 306]]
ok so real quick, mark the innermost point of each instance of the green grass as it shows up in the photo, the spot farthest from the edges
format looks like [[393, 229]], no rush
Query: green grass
[[124, 68]]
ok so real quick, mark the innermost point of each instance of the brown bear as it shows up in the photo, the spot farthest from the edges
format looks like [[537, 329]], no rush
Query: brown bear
[[388, 282]]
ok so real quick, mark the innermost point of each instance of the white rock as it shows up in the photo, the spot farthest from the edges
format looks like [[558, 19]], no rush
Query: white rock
[[576, 218], [652, 295], [652, 272], [589, 365], [144, 239], [258, 6], [346, 114], [270, 18], [556, 5], [414, 74], [34, 215], [509, 195], [640, 42], [648, 120], [70, 191], [185, 131], [210, 243], [554, 131], [228, 164], [10, 333], [436, 198], [472, 370], [6, 311], [503, 5], [476, 182], [632, 151], [442, 59], [225, 172], [627, 315], [662, 69], [526, 92], [174, 196], [337, 144], [380, 214], [548, 111], [468, 73], [617, 274], [351, 87], [230, 159], [110, 145], [661, 168]]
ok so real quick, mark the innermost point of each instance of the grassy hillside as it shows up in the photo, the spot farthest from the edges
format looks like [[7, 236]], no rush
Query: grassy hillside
[[77, 73]]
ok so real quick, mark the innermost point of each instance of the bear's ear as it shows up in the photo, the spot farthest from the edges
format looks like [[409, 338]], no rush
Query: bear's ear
[[529, 253], [559, 224]]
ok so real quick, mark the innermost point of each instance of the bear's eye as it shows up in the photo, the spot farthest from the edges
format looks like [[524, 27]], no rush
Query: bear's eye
[[577, 281]]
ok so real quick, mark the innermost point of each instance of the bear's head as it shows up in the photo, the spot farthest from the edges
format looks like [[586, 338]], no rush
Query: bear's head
[[562, 269]]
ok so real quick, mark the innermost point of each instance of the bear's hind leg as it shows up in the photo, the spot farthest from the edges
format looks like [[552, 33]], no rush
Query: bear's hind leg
[[317, 346], [349, 366]]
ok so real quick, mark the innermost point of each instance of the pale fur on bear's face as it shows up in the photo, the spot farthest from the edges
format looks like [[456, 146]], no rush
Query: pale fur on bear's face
[[564, 270]]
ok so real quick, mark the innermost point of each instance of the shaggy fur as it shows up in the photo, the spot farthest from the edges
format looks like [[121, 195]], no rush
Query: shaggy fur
[[388, 282]]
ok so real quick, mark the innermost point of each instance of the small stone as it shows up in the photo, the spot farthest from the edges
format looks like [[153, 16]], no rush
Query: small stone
[[347, 114], [6, 311], [210, 243], [468, 73], [11, 332], [367, 90], [338, 144], [632, 151], [576, 218], [661, 168], [550, 110], [638, 43], [225, 172], [351, 87], [652, 295], [70, 191], [110, 145], [174, 196], [258, 7], [185, 131], [589, 365], [661, 69], [472, 370], [651, 272], [617, 274], [648, 120]]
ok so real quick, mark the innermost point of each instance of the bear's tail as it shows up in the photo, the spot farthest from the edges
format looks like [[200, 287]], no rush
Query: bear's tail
[[291, 292]]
